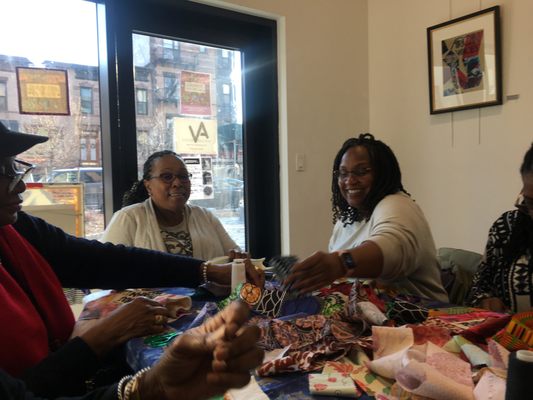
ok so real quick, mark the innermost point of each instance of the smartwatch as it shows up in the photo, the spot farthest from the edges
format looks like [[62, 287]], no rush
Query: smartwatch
[[347, 260]]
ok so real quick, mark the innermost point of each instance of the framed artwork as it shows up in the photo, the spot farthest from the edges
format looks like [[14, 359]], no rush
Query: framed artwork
[[43, 91], [464, 60]]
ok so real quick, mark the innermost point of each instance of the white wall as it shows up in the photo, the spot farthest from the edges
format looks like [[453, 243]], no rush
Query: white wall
[[324, 89], [461, 167]]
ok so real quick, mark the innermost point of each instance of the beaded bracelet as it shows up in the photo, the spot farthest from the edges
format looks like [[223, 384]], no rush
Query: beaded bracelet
[[133, 383], [121, 384], [204, 271]]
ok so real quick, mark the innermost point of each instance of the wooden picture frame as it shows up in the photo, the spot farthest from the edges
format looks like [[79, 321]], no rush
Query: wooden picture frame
[[43, 91], [464, 60]]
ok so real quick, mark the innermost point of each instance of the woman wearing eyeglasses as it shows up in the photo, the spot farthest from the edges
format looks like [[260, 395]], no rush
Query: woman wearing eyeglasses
[[380, 232], [504, 282], [156, 215]]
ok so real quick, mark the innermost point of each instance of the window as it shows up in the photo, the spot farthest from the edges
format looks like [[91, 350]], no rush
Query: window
[[86, 100], [3, 96], [89, 146], [171, 87], [142, 101], [170, 49]]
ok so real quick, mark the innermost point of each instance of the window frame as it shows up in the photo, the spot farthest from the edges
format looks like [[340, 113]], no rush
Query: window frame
[[256, 38]]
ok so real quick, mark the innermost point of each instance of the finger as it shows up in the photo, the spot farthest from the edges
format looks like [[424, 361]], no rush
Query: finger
[[245, 340], [227, 380], [242, 363], [233, 316], [160, 310]]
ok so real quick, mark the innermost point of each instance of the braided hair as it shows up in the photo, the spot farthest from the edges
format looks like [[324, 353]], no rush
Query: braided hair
[[138, 193], [521, 237], [387, 179]]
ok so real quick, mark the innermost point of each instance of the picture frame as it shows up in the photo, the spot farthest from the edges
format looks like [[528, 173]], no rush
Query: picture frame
[[464, 62], [43, 91]]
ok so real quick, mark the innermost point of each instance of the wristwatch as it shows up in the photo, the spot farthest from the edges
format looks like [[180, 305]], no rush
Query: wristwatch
[[347, 260]]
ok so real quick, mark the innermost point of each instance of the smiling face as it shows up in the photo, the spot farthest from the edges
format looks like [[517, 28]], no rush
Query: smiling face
[[10, 203], [169, 196], [355, 176]]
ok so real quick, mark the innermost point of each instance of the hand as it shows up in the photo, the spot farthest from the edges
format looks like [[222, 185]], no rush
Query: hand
[[494, 304], [221, 273], [253, 275], [140, 317], [315, 272], [207, 360], [235, 253]]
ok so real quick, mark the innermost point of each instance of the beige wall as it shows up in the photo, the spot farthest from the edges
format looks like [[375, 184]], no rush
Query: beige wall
[[461, 167], [324, 92]]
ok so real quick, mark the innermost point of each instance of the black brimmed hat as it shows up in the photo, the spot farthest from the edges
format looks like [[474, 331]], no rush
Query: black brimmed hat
[[13, 143]]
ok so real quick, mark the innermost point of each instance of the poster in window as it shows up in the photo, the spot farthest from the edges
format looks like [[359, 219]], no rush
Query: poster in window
[[201, 179], [195, 136], [195, 96], [43, 91]]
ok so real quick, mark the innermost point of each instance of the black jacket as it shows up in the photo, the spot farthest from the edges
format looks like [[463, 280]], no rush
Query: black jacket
[[13, 389], [82, 263]]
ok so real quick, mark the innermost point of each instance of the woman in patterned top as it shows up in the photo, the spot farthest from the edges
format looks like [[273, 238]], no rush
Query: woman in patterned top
[[504, 280], [156, 215]]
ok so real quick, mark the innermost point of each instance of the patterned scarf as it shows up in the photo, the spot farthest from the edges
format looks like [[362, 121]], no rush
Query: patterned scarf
[[34, 315]]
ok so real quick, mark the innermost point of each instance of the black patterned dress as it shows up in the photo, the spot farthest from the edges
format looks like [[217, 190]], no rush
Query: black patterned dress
[[511, 282]]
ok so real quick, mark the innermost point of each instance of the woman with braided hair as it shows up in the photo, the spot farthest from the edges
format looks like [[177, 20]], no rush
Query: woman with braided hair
[[380, 232], [504, 280], [156, 216]]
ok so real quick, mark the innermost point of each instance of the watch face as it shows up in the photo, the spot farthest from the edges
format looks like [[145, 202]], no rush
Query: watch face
[[348, 260]]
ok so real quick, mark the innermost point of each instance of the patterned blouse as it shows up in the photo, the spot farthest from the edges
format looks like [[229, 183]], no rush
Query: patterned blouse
[[512, 284]]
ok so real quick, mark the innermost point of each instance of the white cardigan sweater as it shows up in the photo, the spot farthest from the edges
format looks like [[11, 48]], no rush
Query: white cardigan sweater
[[137, 226]]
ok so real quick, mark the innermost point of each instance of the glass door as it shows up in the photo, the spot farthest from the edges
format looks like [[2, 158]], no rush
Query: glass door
[[188, 99], [201, 81]]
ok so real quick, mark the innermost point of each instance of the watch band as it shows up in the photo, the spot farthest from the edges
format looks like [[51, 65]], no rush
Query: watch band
[[347, 260]]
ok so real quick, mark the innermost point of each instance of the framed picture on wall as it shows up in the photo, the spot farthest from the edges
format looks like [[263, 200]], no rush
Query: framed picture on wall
[[464, 59]]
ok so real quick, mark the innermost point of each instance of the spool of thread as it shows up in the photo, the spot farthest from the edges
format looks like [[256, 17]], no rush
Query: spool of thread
[[519, 375], [238, 273]]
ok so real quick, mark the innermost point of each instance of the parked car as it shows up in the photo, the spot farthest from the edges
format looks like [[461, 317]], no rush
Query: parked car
[[91, 177]]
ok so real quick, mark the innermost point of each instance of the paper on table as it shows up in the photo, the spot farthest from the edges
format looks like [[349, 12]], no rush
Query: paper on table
[[250, 391]]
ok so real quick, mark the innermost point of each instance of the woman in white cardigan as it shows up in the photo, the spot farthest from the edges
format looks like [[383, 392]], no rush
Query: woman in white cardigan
[[156, 214]]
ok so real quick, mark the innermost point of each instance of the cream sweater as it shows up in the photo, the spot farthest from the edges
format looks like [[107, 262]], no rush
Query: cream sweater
[[399, 228], [136, 225]]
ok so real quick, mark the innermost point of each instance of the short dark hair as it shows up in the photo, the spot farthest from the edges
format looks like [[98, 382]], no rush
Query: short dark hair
[[387, 179], [138, 193]]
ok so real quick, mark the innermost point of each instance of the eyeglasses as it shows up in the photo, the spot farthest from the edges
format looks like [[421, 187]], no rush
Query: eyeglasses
[[524, 204], [342, 175], [19, 170], [168, 177]]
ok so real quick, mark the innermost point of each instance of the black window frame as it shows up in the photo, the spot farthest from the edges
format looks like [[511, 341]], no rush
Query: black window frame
[[256, 38]]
